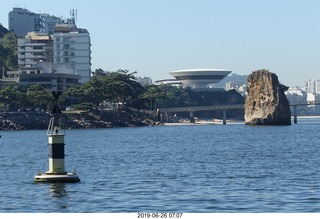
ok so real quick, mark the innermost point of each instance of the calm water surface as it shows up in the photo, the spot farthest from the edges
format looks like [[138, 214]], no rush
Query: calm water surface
[[205, 168]]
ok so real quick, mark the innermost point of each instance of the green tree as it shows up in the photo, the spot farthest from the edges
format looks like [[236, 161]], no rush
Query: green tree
[[114, 87], [10, 94], [39, 96], [124, 88], [71, 95], [93, 91], [3, 31], [177, 96], [99, 72], [9, 51], [2, 58], [153, 93]]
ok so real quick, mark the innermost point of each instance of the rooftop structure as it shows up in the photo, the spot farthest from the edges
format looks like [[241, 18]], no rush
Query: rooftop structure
[[199, 78]]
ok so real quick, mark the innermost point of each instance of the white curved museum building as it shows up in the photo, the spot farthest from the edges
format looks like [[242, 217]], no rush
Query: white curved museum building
[[199, 78]]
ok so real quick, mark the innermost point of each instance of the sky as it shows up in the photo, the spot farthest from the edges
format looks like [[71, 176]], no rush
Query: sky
[[154, 37]]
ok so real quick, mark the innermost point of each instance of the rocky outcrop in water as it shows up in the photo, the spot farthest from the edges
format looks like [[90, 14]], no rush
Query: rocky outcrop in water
[[266, 103]]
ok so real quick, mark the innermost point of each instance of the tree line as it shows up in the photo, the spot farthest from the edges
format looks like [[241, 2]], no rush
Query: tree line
[[119, 87]]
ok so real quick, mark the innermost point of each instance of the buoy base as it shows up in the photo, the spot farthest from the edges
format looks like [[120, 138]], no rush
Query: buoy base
[[56, 178]]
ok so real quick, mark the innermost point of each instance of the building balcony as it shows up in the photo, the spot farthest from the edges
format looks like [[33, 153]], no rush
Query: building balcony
[[34, 44], [31, 56], [21, 50]]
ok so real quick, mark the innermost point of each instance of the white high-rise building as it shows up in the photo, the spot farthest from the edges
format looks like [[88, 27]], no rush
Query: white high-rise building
[[144, 81], [313, 86], [71, 45]]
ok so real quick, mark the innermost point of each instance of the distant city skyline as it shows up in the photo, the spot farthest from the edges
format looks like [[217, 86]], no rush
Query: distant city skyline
[[157, 37]]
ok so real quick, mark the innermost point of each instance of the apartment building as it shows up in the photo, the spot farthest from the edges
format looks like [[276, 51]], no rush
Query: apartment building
[[35, 47], [72, 45], [21, 21]]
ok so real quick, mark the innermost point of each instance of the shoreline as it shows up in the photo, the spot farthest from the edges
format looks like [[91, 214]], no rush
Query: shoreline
[[90, 120], [83, 120], [228, 122], [206, 122]]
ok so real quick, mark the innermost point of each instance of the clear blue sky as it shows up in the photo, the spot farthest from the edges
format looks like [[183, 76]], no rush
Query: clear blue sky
[[154, 37]]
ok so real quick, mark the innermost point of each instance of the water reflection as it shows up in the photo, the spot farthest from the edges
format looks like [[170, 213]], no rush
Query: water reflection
[[58, 190]]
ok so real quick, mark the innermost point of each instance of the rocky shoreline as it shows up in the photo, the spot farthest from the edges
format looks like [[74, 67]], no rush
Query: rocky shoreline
[[83, 120]]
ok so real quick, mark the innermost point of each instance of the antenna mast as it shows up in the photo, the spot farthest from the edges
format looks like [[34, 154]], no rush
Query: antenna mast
[[74, 15]]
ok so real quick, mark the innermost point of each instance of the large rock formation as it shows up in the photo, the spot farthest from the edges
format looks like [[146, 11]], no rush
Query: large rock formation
[[266, 103]]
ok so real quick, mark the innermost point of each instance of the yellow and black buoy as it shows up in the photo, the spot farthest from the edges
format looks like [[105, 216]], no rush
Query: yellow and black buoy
[[56, 133]]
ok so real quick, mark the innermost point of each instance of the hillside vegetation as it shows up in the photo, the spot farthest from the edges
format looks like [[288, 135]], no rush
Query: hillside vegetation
[[8, 50]]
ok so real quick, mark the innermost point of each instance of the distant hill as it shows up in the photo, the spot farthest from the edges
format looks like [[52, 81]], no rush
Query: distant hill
[[3, 31], [232, 78]]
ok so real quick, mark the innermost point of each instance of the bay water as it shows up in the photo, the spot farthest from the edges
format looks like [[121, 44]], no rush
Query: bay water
[[185, 168]]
